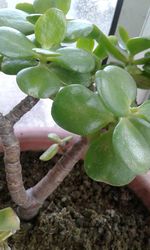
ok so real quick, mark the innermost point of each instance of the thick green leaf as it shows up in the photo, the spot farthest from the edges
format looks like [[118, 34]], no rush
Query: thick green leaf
[[71, 77], [8, 220], [26, 7], [33, 18], [146, 68], [144, 110], [138, 44], [101, 38], [117, 89], [38, 82], [50, 29], [76, 59], [103, 164], [50, 153], [131, 140], [85, 43], [101, 52], [46, 52], [124, 37], [16, 19], [78, 28], [79, 110], [41, 6], [11, 66], [14, 44]]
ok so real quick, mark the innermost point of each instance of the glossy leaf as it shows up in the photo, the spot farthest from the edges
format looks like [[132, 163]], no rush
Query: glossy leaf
[[14, 44], [38, 82], [85, 43], [50, 28], [78, 28], [11, 66], [75, 59], [101, 52], [50, 153], [103, 164], [8, 220], [16, 19], [71, 77], [26, 7], [117, 89], [144, 110], [41, 6], [138, 44], [79, 110], [46, 52], [131, 139], [32, 18], [124, 36], [101, 38]]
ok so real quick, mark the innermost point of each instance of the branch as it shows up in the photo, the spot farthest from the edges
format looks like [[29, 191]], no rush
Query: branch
[[20, 109], [53, 178]]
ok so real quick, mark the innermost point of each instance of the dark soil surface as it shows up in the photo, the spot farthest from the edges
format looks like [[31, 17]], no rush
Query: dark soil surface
[[80, 215]]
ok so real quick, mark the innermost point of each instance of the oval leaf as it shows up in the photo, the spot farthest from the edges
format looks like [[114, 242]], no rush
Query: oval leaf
[[16, 19], [8, 220], [50, 153], [131, 139], [69, 77], [41, 6], [78, 28], [103, 164], [38, 82], [14, 44], [11, 66], [26, 7], [85, 43], [79, 110], [75, 59], [138, 44], [117, 89], [50, 28]]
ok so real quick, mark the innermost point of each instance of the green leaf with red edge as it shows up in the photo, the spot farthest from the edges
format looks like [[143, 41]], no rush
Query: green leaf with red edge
[[50, 28], [40, 6], [131, 140], [38, 82], [103, 164], [117, 89], [79, 110]]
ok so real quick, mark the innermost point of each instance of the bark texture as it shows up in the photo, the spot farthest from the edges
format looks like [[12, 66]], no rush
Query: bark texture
[[30, 201]]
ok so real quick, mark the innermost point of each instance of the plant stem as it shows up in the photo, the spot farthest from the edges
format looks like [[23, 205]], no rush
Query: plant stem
[[30, 201], [53, 179], [20, 109]]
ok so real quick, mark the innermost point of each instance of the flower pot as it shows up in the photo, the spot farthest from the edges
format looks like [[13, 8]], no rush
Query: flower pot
[[36, 139]]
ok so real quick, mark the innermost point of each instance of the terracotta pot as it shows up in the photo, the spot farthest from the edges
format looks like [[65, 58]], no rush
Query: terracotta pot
[[35, 139]]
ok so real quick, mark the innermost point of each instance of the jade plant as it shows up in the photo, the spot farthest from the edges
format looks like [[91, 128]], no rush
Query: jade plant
[[63, 59]]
